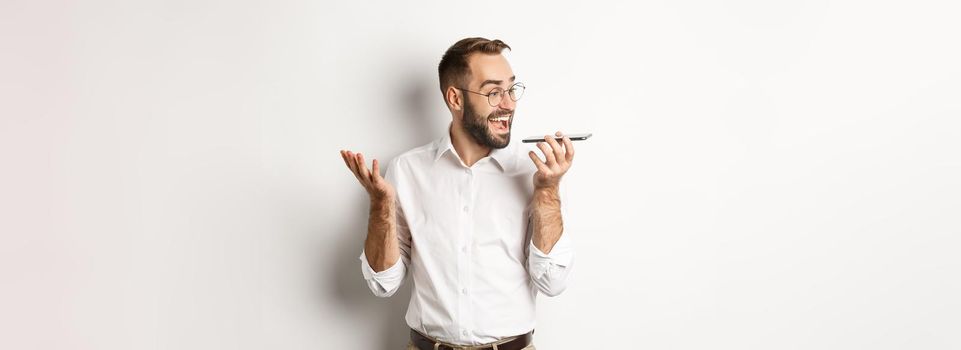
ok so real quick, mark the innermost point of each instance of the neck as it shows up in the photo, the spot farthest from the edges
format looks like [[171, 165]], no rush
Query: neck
[[467, 148]]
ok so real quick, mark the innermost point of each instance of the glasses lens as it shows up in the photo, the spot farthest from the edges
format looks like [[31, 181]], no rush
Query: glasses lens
[[494, 97], [517, 91]]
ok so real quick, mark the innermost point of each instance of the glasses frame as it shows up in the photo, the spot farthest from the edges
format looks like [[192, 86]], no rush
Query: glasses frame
[[495, 89]]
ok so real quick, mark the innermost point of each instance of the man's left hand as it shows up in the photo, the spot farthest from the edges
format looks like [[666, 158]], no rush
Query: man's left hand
[[559, 157]]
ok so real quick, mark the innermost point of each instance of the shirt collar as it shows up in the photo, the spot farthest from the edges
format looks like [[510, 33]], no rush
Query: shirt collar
[[442, 146], [501, 156]]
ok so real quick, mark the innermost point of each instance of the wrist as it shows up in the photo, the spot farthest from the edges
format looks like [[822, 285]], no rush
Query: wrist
[[553, 189], [547, 195], [381, 196], [381, 202]]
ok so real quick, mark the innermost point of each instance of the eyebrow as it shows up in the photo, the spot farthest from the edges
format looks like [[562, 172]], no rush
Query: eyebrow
[[495, 82]]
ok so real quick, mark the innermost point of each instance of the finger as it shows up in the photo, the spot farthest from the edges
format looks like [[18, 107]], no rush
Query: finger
[[548, 153], [364, 172], [376, 172], [343, 154], [569, 146], [558, 151], [538, 162], [348, 159], [352, 164]]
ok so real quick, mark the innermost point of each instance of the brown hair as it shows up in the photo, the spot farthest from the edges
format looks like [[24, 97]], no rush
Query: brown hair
[[453, 68]]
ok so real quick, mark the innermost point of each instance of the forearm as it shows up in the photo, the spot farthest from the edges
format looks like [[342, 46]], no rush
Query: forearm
[[546, 218], [381, 247]]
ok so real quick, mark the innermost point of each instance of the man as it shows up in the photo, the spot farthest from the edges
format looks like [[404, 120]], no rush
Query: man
[[475, 220]]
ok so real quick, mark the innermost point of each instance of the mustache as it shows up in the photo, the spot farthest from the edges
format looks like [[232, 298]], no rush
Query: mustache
[[509, 113]]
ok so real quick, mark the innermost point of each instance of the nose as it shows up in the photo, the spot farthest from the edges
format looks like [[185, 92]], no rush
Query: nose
[[507, 102]]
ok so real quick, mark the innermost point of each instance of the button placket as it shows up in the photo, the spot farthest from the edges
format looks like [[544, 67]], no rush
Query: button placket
[[464, 314], [466, 306]]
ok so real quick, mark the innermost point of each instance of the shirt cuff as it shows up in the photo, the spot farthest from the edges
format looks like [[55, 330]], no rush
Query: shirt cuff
[[394, 272], [561, 254]]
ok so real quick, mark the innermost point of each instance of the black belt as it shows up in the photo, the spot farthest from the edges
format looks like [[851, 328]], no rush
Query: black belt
[[424, 343]]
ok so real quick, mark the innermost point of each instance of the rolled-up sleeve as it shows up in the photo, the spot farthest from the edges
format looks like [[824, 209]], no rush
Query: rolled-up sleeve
[[385, 283], [549, 272]]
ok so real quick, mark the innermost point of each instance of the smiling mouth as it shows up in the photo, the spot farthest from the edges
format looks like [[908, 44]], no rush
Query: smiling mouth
[[500, 123]]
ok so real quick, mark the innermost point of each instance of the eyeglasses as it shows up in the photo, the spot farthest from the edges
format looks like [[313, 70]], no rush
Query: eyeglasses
[[497, 94]]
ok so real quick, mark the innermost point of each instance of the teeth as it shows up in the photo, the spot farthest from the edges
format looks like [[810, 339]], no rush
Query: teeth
[[500, 119]]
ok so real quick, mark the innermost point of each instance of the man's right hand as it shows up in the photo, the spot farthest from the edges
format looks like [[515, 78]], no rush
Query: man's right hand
[[381, 245], [377, 187]]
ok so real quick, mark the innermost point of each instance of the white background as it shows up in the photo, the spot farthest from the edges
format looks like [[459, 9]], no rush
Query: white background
[[763, 175]]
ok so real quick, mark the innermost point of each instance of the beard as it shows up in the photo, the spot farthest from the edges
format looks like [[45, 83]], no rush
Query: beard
[[479, 129]]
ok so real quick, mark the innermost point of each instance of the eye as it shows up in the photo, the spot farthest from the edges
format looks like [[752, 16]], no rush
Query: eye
[[495, 93]]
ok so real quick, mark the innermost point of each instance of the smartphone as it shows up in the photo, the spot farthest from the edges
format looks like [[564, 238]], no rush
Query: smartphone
[[573, 137]]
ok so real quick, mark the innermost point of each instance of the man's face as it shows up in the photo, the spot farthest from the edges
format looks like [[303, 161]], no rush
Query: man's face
[[489, 126]]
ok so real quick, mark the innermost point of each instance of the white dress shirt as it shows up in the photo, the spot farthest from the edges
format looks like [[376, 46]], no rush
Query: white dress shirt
[[465, 237]]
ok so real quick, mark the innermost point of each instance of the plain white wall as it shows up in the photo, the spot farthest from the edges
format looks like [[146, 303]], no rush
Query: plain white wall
[[763, 174]]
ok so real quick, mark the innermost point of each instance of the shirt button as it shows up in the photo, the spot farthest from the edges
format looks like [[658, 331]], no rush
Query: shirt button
[[463, 291], [464, 332], [465, 208], [463, 249]]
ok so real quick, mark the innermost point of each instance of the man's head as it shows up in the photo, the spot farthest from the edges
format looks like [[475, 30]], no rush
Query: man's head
[[469, 71]]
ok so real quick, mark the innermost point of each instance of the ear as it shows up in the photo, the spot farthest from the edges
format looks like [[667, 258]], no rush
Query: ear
[[453, 99]]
